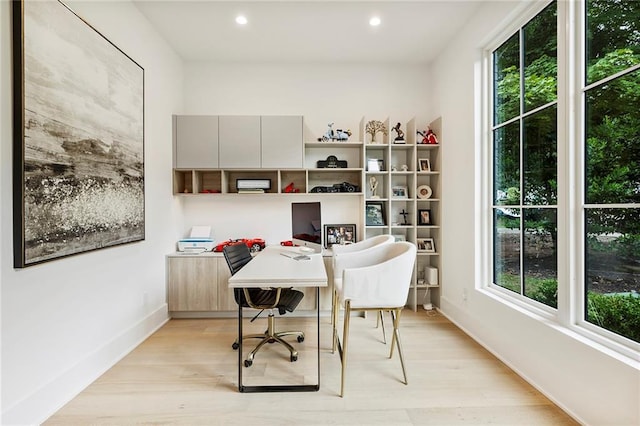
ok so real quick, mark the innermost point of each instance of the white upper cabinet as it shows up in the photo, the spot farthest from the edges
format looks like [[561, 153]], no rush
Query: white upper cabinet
[[239, 141], [195, 141], [282, 146]]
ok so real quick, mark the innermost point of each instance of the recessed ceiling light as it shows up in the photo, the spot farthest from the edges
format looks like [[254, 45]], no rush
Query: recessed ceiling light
[[375, 21], [241, 20]]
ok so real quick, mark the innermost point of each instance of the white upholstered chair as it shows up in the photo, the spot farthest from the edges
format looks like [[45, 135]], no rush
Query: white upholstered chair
[[346, 250], [374, 280]]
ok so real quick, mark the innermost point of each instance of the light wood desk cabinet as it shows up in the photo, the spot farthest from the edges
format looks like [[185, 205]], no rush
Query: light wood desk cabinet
[[198, 286], [193, 283]]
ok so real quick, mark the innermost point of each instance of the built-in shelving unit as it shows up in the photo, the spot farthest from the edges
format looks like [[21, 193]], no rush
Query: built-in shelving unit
[[407, 176], [406, 172]]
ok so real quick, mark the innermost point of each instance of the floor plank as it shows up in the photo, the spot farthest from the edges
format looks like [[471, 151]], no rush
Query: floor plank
[[186, 373]]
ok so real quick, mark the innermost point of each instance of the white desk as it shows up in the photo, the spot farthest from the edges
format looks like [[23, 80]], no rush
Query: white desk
[[270, 268]]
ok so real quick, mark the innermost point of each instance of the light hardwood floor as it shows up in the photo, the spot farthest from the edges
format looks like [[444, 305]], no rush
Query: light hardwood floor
[[186, 373]]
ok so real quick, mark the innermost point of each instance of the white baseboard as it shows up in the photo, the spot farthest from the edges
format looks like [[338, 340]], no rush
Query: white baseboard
[[44, 402]]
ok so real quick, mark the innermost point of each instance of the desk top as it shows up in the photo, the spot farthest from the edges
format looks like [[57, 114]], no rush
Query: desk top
[[269, 268]]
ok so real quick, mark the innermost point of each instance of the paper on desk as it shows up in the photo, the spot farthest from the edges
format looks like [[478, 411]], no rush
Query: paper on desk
[[201, 231]]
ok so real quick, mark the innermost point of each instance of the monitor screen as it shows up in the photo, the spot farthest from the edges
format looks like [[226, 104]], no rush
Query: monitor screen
[[306, 225]]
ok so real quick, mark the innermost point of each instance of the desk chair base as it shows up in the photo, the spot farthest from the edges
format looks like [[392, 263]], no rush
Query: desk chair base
[[271, 336]]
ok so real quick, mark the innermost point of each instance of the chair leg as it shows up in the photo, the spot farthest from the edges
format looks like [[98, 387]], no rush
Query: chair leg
[[379, 321], [334, 320], [345, 336], [395, 315]]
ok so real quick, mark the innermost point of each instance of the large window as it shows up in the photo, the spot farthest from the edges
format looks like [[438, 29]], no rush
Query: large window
[[604, 185], [525, 160], [611, 207]]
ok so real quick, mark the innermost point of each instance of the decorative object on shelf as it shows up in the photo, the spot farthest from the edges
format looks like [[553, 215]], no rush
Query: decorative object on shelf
[[394, 168], [404, 214], [374, 127], [428, 137], [424, 165], [399, 237], [424, 217], [399, 192], [253, 185], [375, 213], [339, 234], [431, 272], [424, 192], [337, 135], [400, 138], [337, 187], [375, 165], [290, 189], [78, 137], [373, 186], [404, 168], [254, 244], [426, 245], [332, 162]]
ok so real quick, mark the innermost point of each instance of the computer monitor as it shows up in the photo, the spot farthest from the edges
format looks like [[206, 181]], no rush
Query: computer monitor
[[306, 225]]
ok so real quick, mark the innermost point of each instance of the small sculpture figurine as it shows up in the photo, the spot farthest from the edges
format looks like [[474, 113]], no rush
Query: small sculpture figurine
[[428, 137], [405, 168], [374, 126], [400, 137], [337, 135], [404, 214], [373, 186]]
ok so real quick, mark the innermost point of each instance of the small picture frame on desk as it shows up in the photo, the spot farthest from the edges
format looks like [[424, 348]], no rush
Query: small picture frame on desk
[[339, 234]]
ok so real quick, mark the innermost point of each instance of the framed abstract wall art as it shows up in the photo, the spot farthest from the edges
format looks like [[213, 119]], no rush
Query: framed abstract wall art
[[78, 118]]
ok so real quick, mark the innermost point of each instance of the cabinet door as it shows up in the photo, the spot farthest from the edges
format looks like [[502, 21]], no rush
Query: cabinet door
[[193, 284], [239, 142], [195, 142], [282, 145], [226, 301]]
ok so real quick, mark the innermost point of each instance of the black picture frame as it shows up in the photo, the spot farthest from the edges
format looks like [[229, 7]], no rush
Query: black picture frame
[[424, 217], [375, 213], [339, 234], [78, 137]]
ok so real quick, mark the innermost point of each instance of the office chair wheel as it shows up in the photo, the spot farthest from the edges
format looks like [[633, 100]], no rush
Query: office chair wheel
[[248, 362], [235, 346], [300, 339], [294, 358]]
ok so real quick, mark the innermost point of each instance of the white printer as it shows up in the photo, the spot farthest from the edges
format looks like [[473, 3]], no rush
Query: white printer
[[199, 240]]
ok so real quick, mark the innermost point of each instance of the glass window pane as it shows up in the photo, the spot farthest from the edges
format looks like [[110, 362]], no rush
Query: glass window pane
[[506, 167], [613, 270], [540, 59], [540, 265], [506, 80], [613, 141], [613, 37], [506, 249], [540, 169]]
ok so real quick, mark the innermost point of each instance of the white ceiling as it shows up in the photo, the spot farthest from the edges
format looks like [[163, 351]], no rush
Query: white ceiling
[[308, 31]]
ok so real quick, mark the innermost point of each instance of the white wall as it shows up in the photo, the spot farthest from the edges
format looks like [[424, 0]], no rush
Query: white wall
[[63, 323], [597, 388], [322, 93]]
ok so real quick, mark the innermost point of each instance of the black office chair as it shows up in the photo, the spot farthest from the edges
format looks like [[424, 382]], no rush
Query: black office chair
[[284, 299]]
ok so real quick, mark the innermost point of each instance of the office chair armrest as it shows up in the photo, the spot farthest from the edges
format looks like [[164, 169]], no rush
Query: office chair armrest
[[258, 298]]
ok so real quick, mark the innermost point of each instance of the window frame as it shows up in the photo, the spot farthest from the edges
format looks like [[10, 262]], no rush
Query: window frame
[[570, 205]]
